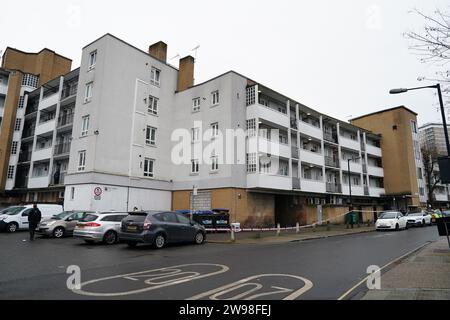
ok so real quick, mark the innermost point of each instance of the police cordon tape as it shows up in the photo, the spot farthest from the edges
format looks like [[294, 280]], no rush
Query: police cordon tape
[[278, 228]]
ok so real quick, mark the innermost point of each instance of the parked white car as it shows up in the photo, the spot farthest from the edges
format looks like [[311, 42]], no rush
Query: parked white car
[[16, 217], [419, 219], [391, 220]]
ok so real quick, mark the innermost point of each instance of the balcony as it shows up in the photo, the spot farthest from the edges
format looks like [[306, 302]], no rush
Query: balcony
[[330, 137], [316, 186], [294, 124], [41, 154], [25, 156], [269, 114], [331, 162], [38, 182], [69, 91], [295, 152], [48, 101], [310, 130], [296, 183], [356, 190], [376, 192], [269, 147], [45, 127], [333, 187], [65, 120], [62, 149], [354, 166], [373, 150], [375, 171], [349, 143], [268, 181], [58, 180], [366, 190], [312, 157]]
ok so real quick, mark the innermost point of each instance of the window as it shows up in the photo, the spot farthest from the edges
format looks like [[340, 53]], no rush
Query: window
[[148, 167], [355, 181], [214, 163], [85, 126], [10, 172], [30, 80], [195, 134], [155, 76], [251, 127], [88, 92], [419, 173], [81, 160], [215, 98], [153, 105], [251, 162], [72, 193], [18, 125], [21, 101], [150, 136], [183, 219], [195, 104], [214, 130], [14, 147], [194, 166], [414, 126], [92, 59]]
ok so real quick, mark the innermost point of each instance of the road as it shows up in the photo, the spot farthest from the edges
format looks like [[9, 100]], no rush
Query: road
[[315, 269]]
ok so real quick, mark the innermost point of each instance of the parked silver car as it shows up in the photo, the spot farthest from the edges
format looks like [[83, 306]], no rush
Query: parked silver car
[[99, 227], [62, 224]]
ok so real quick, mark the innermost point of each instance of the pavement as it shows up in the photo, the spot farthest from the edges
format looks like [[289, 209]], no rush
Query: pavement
[[423, 275], [303, 270], [266, 237]]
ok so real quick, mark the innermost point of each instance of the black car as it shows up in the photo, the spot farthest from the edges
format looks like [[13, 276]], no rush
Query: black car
[[159, 228]]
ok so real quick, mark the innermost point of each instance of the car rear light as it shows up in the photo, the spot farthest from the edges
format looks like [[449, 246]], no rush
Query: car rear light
[[147, 224], [92, 224]]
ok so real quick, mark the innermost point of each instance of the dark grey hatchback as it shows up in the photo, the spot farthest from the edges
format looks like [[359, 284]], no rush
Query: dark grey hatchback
[[159, 228]]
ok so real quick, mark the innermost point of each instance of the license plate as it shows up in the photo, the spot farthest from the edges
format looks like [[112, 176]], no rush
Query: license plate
[[132, 228]]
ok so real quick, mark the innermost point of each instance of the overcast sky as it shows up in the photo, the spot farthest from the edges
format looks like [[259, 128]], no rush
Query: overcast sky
[[338, 57]]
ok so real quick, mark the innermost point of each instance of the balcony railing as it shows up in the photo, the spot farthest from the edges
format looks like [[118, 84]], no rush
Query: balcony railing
[[69, 91], [62, 148], [295, 183], [58, 179], [295, 152], [65, 119], [332, 137], [294, 124], [28, 132], [334, 187], [25, 156], [331, 162]]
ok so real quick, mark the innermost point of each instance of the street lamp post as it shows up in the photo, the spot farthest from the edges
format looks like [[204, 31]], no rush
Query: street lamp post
[[441, 102]]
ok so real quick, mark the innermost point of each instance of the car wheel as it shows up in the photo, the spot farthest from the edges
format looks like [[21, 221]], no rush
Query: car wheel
[[397, 227], [406, 227], [58, 232], [160, 241], [110, 237], [423, 223], [132, 244], [12, 227], [199, 238]]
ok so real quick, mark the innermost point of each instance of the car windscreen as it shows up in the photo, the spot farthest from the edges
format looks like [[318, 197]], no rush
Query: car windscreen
[[89, 218], [62, 215], [12, 210], [388, 215]]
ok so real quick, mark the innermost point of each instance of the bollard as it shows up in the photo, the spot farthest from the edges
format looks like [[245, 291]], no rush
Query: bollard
[[297, 228], [314, 227], [233, 239], [278, 230], [328, 225]]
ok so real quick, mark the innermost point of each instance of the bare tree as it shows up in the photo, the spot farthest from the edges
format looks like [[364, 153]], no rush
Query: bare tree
[[431, 175], [432, 45]]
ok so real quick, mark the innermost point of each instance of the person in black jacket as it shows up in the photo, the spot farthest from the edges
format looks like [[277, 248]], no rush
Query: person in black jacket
[[34, 217]]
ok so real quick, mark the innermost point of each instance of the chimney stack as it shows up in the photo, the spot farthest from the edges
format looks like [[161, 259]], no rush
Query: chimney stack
[[185, 73], [158, 51]]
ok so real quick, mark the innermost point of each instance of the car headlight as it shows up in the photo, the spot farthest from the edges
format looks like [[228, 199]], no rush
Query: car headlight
[[2, 218], [50, 223]]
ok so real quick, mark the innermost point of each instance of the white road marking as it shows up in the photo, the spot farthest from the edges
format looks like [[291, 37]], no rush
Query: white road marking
[[157, 274], [215, 293]]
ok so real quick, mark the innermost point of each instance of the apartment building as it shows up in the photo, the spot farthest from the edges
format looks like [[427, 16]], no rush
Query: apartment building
[[402, 159], [21, 73], [132, 108], [431, 136]]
